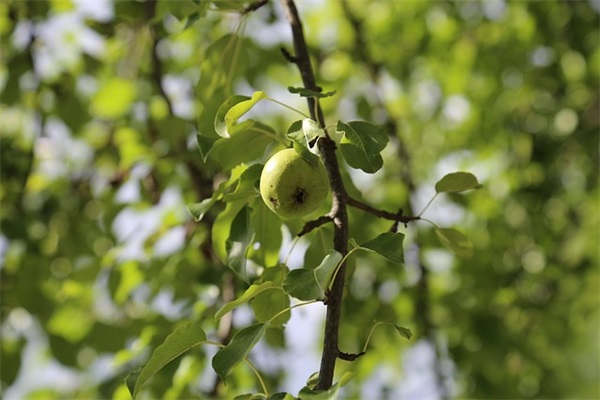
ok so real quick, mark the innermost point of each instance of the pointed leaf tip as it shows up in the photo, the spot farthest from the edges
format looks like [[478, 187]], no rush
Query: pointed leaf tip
[[455, 241]]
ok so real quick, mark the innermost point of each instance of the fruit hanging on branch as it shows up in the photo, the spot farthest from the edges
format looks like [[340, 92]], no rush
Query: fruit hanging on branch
[[291, 186]]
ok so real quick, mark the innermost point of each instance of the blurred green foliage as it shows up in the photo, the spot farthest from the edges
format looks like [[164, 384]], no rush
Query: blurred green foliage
[[99, 108]]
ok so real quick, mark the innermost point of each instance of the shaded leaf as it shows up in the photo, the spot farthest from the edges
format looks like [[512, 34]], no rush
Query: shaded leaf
[[240, 237], [407, 333], [198, 210], [311, 284], [247, 183], [362, 144], [303, 133], [457, 182], [455, 241], [267, 304], [331, 394], [388, 245], [239, 347], [301, 284], [179, 341], [303, 92], [267, 227], [247, 144]]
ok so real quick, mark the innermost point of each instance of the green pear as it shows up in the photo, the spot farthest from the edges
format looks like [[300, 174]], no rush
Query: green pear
[[291, 186]]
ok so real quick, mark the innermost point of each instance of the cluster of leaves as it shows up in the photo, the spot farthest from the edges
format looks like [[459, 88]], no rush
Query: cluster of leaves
[[250, 225]]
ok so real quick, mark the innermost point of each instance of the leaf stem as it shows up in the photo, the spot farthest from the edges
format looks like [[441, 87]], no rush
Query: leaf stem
[[290, 308], [258, 376], [371, 334], [427, 205], [288, 107], [252, 367]]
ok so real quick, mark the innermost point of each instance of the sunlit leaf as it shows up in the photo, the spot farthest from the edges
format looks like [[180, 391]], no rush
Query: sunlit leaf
[[455, 241], [178, 342], [239, 109], [457, 182], [252, 291], [239, 347]]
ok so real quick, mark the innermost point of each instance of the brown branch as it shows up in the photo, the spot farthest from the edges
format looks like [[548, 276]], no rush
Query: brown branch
[[399, 217], [338, 212], [350, 356], [314, 224], [302, 59], [254, 6]]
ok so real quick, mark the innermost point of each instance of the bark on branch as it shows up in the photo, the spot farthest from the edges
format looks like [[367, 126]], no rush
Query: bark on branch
[[338, 212]]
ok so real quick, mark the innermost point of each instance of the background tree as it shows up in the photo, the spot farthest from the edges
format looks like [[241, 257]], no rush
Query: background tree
[[107, 114]]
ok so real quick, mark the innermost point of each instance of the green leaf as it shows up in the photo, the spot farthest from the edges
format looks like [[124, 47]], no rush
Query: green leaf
[[240, 237], [388, 245], [198, 210], [247, 185], [252, 291], [331, 394], [304, 133], [221, 229], [239, 347], [326, 269], [281, 396], [362, 144], [267, 226], [247, 144], [241, 108], [220, 122], [303, 92], [269, 303], [250, 396], [311, 284], [405, 332], [233, 109], [205, 145], [457, 182], [301, 284], [179, 341], [455, 241]]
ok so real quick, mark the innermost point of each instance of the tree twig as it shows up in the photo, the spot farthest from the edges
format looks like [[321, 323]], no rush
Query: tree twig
[[338, 212], [399, 217], [314, 224]]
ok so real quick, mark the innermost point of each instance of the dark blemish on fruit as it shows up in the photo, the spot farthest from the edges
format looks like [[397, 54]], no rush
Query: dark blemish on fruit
[[300, 196], [274, 201]]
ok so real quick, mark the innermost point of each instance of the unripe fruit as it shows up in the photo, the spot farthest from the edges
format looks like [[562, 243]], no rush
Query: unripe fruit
[[291, 186]]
